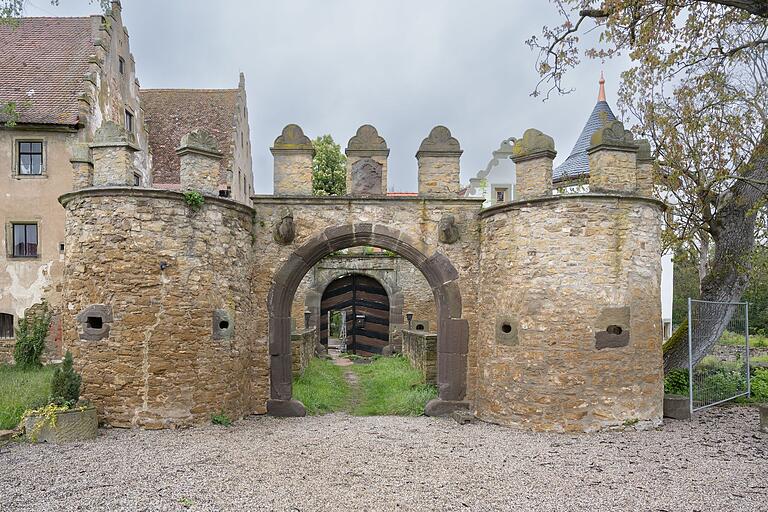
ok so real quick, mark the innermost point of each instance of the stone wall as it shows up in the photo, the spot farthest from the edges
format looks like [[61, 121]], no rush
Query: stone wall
[[416, 218], [302, 349], [420, 348], [569, 336], [160, 313]]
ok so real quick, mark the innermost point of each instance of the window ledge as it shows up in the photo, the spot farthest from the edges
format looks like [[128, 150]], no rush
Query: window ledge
[[24, 258], [30, 176]]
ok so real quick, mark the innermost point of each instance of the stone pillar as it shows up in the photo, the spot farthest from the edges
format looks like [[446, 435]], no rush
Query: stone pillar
[[644, 169], [613, 160], [82, 166], [112, 150], [200, 159], [367, 143], [293, 153], [533, 156], [438, 159]]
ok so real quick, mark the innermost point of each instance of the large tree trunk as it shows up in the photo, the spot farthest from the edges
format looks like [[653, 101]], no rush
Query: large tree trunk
[[733, 236]]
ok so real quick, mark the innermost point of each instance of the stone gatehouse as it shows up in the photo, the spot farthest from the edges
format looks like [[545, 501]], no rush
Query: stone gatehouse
[[547, 309]]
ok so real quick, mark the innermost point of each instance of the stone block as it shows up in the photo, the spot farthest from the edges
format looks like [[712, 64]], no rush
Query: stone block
[[366, 177], [286, 408], [279, 335], [95, 322], [763, 409], [451, 376], [677, 407], [223, 325], [439, 407], [463, 417], [453, 335], [507, 327], [439, 270]]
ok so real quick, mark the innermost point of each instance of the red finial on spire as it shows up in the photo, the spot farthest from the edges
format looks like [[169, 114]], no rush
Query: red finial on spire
[[601, 94]]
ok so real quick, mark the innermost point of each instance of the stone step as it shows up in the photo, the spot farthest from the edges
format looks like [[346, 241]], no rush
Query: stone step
[[6, 435]]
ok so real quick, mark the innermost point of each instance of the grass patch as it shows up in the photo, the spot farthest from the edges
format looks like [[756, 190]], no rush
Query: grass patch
[[21, 390], [391, 386], [735, 339], [322, 388]]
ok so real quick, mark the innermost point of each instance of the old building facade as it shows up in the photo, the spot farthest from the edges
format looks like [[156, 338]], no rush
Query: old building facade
[[62, 78], [168, 327]]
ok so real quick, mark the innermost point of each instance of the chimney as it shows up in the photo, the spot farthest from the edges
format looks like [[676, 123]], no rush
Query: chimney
[[200, 162], [112, 151]]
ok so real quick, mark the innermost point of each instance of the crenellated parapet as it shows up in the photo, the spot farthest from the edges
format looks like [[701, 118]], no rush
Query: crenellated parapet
[[438, 159], [293, 153], [533, 156], [613, 159], [366, 144]]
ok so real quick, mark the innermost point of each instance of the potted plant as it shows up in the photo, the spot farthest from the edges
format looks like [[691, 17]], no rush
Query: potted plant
[[64, 418]]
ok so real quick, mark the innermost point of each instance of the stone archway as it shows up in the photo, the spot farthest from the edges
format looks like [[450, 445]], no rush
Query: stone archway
[[442, 276]]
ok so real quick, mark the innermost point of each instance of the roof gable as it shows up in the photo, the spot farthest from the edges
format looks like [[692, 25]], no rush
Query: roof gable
[[42, 65], [169, 114]]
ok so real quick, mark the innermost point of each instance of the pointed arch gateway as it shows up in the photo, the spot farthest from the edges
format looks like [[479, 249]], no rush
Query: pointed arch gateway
[[442, 276]]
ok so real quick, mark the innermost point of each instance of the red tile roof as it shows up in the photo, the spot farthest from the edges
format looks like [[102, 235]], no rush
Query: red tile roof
[[49, 56], [169, 114]]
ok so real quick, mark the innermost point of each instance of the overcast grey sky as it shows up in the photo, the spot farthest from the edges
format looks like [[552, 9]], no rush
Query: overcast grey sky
[[333, 65]]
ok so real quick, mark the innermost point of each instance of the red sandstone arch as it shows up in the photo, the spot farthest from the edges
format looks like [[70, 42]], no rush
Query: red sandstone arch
[[442, 276]]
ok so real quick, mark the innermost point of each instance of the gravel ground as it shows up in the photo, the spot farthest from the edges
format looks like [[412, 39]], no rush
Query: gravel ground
[[339, 462]]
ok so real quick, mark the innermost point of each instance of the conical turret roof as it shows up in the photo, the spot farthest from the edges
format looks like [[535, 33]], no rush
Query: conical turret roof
[[577, 163]]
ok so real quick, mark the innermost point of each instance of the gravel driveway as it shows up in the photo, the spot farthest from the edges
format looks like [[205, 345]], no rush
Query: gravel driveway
[[339, 462]]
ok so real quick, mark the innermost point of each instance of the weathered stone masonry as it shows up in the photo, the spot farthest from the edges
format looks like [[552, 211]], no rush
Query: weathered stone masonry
[[548, 314]]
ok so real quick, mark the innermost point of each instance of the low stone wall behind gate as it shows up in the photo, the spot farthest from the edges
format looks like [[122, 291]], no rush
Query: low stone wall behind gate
[[303, 343], [421, 350], [170, 288]]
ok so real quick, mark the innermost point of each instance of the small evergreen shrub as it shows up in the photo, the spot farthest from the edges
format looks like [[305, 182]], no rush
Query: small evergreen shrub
[[65, 384], [30, 338]]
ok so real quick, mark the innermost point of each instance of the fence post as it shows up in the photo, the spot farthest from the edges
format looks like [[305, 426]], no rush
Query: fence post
[[690, 357], [746, 336]]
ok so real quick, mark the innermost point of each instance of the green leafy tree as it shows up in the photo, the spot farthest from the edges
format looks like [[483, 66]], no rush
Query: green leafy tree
[[30, 336], [329, 174], [697, 87]]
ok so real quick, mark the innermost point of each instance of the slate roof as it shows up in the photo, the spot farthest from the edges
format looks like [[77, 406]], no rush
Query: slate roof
[[49, 56], [169, 114], [577, 163]]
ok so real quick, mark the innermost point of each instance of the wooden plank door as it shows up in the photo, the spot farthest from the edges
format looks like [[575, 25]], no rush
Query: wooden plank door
[[367, 306]]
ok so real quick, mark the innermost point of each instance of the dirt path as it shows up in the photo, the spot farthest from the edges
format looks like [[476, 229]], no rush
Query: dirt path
[[355, 393]]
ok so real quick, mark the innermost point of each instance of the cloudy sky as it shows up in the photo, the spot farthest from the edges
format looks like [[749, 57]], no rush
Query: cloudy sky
[[330, 66]]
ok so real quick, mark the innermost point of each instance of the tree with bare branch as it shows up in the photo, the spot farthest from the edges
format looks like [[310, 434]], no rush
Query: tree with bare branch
[[697, 88]]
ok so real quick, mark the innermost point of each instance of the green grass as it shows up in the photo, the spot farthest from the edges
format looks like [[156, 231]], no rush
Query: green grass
[[733, 338], [322, 388], [21, 390], [391, 386]]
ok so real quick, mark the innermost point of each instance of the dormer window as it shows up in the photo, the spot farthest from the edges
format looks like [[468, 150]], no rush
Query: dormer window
[[121, 65], [128, 122]]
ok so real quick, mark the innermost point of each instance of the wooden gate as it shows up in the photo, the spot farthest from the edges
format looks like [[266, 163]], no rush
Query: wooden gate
[[367, 306]]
